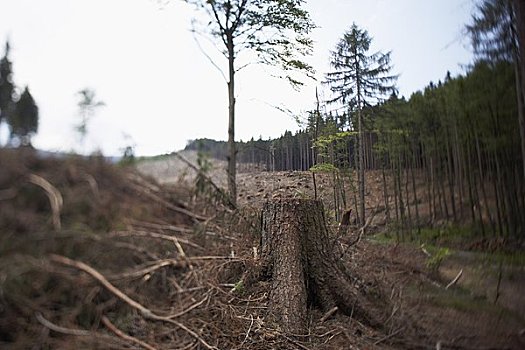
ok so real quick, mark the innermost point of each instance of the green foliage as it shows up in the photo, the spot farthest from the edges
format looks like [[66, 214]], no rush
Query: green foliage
[[276, 30], [324, 168], [437, 258], [201, 181]]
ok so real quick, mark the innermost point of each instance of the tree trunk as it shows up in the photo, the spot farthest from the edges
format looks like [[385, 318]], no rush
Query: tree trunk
[[305, 268], [232, 152]]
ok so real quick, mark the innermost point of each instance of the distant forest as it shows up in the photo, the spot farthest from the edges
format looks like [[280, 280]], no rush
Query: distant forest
[[460, 135]]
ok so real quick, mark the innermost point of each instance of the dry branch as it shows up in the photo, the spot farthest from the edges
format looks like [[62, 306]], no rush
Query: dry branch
[[455, 279], [145, 312], [54, 195], [173, 239], [329, 314], [59, 329], [148, 193], [125, 336]]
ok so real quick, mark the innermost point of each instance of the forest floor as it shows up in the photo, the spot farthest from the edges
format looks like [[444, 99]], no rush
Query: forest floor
[[126, 260]]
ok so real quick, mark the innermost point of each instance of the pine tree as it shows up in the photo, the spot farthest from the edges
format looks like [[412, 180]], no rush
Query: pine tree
[[6, 86], [24, 120], [359, 79], [276, 31]]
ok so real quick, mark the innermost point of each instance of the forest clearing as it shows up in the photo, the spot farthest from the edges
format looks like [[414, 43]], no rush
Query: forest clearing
[[158, 267], [382, 205]]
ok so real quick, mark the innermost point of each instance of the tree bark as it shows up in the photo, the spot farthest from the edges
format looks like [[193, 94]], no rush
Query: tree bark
[[232, 152], [304, 266]]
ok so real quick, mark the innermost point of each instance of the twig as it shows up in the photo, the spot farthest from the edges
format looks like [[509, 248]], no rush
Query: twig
[[145, 312], [425, 251], [454, 280], [54, 196], [155, 235], [248, 332], [125, 336], [296, 343], [328, 314], [393, 334], [59, 329], [189, 308]]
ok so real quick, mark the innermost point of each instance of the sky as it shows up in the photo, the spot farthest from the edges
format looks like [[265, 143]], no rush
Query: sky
[[159, 88]]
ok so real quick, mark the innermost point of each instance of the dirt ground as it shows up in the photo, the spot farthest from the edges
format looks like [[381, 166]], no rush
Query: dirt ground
[[139, 261]]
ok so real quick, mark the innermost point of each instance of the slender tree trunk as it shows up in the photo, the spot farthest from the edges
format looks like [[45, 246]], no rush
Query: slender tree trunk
[[483, 190], [232, 152], [385, 192], [412, 171], [361, 160], [519, 6]]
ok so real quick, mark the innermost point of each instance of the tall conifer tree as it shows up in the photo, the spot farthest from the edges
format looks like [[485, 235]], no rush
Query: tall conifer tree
[[359, 79]]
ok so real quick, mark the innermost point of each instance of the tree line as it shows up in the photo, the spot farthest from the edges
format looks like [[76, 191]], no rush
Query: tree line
[[456, 143]]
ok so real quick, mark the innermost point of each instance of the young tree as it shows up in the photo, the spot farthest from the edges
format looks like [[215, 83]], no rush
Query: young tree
[[87, 107], [24, 119], [359, 79], [6, 85], [274, 30]]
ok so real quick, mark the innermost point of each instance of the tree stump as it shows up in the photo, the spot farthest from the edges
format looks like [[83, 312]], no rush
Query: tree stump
[[304, 265]]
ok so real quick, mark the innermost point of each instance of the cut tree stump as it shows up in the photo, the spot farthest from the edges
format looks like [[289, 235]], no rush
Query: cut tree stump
[[304, 266]]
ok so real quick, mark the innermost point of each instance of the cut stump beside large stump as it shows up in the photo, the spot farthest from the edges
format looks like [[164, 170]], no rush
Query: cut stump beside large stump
[[304, 266]]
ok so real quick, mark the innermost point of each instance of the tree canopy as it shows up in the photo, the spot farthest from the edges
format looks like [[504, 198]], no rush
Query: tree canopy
[[277, 31]]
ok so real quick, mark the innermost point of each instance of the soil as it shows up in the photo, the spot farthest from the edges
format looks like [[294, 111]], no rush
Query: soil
[[140, 261]]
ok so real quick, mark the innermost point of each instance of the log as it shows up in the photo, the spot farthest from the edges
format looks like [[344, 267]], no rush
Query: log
[[304, 266]]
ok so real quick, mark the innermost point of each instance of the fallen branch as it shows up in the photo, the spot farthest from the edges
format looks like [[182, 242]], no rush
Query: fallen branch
[[329, 314], [454, 280], [393, 334], [59, 329], [173, 239], [145, 312], [54, 195], [425, 251], [167, 204], [125, 336]]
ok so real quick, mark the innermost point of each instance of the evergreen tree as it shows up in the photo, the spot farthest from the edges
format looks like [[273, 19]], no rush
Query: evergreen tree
[[275, 30], [24, 120], [359, 79], [6, 86]]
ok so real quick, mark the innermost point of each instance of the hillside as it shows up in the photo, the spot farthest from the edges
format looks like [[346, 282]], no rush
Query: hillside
[[138, 264]]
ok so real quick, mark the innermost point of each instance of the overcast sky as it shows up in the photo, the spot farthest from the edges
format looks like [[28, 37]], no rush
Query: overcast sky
[[161, 91]]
